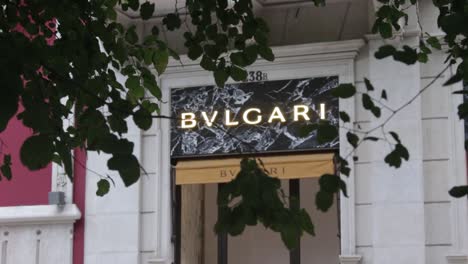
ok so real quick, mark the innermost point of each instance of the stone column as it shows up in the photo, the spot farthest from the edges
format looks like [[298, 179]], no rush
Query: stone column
[[396, 214]]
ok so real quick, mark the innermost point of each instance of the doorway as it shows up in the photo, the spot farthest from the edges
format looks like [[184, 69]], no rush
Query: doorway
[[196, 215]]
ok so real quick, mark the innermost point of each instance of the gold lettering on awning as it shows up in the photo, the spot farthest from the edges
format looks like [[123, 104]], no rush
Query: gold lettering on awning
[[283, 167]]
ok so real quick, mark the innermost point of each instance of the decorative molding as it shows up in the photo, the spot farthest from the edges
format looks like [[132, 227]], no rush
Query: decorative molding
[[458, 170], [158, 261], [407, 33], [296, 61], [39, 214], [316, 52], [350, 259], [457, 259]]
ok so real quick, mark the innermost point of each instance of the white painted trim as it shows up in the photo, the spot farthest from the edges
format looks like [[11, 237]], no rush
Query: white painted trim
[[322, 51], [60, 180], [350, 259], [299, 61], [459, 207], [457, 259], [158, 261], [39, 214]]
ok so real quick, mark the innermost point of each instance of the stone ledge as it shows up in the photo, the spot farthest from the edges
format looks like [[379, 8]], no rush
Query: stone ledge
[[158, 261], [39, 214], [350, 259], [457, 259]]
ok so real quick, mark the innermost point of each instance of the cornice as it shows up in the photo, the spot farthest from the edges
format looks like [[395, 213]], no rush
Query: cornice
[[350, 259], [38, 214], [457, 259], [314, 52]]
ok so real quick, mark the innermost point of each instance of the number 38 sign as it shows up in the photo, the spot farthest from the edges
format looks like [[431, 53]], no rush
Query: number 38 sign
[[257, 76]]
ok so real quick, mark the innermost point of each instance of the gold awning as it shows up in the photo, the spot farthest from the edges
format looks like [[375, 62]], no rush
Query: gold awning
[[283, 167]]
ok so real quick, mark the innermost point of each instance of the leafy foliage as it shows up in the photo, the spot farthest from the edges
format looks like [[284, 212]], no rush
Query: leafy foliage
[[254, 197], [65, 61]]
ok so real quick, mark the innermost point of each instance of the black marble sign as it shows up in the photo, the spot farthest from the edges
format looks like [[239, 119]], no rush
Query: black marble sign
[[275, 136]]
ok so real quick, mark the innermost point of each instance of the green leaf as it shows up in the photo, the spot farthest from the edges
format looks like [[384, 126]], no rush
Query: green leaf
[[376, 111], [367, 102], [128, 167], [402, 151], [237, 58], [459, 191], [324, 200], [434, 42], [221, 77], [207, 63], [306, 222], [143, 119], [408, 55], [290, 235], [111, 14], [394, 158], [454, 79], [250, 54], [134, 4], [5, 169], [160, 60], [112, 145], [344, 117], [150, 83], [305, 131], [385, 51], [117, 124], [266, 53], [385, 30], [422, 57], [146, 10], [461, 92], [37, 152], [8, 104], [344, 90], [103, 187], [148, 56], [395, 136], [64, 152], [173, 54], [195, 52], [369, 85], [155, 31], [329, 183], [384, 95], [133, 84], [172, 21], [238, 74], [326, 133], [131, 36], [353, 139]]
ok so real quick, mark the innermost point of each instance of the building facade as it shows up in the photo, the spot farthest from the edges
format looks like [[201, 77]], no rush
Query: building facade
[[392, 215]]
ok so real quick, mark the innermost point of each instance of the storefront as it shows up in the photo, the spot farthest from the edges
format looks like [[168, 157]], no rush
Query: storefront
[[402, 216], [261, 117]]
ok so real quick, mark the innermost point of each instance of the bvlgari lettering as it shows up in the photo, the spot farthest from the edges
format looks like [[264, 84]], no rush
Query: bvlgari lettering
[[272, 171], [250, 116]]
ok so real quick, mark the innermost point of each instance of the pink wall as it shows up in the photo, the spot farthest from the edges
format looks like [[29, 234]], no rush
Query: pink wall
[[79, 192], [26, 187]]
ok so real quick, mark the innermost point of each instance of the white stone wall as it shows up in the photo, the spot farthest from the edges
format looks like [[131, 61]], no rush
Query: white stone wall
[[112, 222], [37, 234], [406, 215]]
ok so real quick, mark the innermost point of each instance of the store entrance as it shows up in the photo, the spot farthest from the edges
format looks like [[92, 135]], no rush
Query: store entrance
[[195, 214]]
